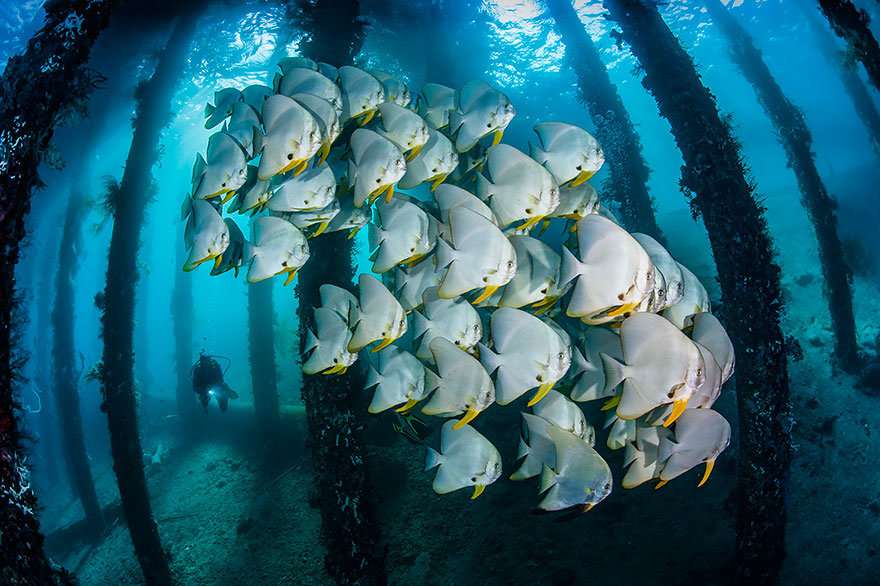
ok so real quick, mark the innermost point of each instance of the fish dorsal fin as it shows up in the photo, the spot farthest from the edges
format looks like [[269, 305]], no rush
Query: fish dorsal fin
[[393, 114], [448, 356], [361, 141], [235, 233], [198, 169], [328, 322], [465, 224], [552, 133], [275, 107], [472, 93], [508, 325], [435, 94], [503, 159], [643, 332], [373, 294]]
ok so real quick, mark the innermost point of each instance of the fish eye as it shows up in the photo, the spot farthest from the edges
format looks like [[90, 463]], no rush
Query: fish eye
[[561, 356], [510, 264], [699, 372]]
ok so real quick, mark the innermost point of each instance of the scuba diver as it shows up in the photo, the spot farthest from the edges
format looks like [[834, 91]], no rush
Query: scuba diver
[[208, 382]]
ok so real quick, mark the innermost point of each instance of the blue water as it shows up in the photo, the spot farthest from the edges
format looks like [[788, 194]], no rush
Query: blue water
[[448, 540]]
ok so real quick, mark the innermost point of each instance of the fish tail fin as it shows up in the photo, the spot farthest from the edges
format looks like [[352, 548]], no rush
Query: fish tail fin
[[488, 359], [311, 341], [433, 459], [536, 153], [484, 187], [665, 449], [258, 141], [420, 324], [523, 450], [432, 381], [373, 378], [374, 235], [456, 119], [614, 373], [548, 479], [444, 253], [570, 268]]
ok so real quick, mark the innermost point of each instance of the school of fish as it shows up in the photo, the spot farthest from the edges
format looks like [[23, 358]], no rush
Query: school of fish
[[467, 308]]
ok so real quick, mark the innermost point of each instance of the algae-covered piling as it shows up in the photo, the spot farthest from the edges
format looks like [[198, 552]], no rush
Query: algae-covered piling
[[153, 108], [628, 183], [797, 140], [715, 177]]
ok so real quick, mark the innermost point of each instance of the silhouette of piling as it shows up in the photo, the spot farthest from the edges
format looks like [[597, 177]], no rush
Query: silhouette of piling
[[852, 25], [153, 99], [792, 132], [66, 387], [628, 183], [261, 349], [715, 177], [335, 409], [181, 314], [849, 77], [37, 88]]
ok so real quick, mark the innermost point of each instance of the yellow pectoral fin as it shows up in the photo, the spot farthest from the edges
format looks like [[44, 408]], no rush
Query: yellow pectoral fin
[[468, 417], [341, 372], [542, 392], [622, 309], [321, 227], [541, 310], [366, 118], [325, 150], [438, 180], [661, 483], [544, 225], [290, 276], [389, 193], [573, 227], [497, 138], [478, 490], [677, 409], [354, 232], [530, 222], [611, 403], [228, 195], [582, 177], [336, 368], [487, 292], [407, 407], [301, 167], [385, 342], [217, 260], [709, 465], [413, 153]]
